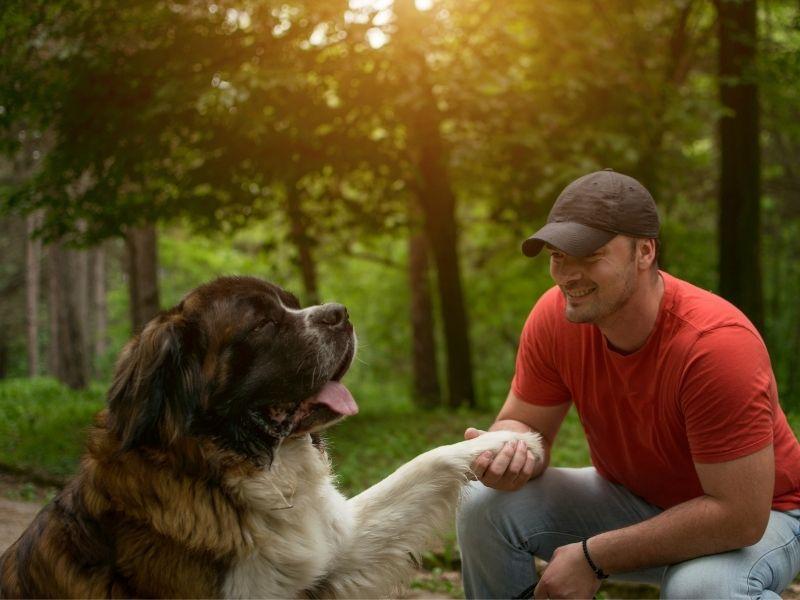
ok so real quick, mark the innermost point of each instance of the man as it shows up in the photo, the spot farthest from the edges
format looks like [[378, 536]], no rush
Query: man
[[695, 484]]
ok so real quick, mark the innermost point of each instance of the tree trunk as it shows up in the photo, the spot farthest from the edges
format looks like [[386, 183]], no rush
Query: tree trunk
[[425, 391], [3, 357], [53, 301], [33, 269], [438, 204], [739, 212], [141, 244], [79, 259], [67, 336], [99, 302], [298, 232]]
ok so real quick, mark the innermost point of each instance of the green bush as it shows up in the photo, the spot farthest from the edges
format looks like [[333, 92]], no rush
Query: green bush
[[43, 424], [43, 427]]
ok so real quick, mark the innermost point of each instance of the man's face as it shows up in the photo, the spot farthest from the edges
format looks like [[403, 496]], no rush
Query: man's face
[[597, 286]]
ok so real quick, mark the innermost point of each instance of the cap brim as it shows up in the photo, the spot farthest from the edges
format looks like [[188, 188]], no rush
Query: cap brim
[[574, 239]]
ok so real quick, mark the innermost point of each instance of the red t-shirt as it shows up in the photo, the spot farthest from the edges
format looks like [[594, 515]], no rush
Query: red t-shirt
[[701, 389]]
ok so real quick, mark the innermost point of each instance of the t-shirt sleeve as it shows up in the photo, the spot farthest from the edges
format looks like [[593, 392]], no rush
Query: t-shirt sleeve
[[536, 378], [727, 395]]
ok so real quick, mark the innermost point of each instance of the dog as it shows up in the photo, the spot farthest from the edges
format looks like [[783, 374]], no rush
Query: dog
[[206, 475]]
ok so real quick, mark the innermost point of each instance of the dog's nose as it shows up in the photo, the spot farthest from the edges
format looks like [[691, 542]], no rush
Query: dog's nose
[[332, 314]]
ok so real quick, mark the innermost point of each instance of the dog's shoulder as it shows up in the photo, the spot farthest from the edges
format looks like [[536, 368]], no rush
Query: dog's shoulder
[[297, 519]]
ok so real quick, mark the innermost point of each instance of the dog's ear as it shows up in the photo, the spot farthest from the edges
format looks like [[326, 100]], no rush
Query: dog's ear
[[156, 385]]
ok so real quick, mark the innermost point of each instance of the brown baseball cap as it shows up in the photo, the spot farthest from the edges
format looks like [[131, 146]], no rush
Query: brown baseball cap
[[592, 210]]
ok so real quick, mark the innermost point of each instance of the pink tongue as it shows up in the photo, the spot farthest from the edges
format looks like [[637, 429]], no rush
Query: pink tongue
[[338, 398]]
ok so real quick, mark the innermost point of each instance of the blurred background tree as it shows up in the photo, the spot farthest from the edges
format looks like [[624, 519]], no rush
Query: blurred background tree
[[390, 154]]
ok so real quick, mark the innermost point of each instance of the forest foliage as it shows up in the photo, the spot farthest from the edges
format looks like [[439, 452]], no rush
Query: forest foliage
[[390, 155]]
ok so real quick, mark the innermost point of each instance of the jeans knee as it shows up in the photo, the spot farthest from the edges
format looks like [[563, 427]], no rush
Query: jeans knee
[[488, 514], [473, 518], [684, 589], [754, 573], [703, 577]]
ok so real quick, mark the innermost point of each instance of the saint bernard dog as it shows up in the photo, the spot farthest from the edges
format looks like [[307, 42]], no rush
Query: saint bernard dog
[[206, 475]]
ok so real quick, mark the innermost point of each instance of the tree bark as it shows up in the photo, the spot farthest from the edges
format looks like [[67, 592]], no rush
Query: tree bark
[[298, 232], [426, 392], [99, 301], [33, 269], [67, 336], [739, 190], [438, 204], [53, 301], [3, 357], [141, 244], [79, 259]]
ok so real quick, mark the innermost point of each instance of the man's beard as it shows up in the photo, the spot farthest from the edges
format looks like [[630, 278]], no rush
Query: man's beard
[[599, 309]]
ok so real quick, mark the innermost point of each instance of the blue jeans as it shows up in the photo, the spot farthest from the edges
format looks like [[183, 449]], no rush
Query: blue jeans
[[499, 533]]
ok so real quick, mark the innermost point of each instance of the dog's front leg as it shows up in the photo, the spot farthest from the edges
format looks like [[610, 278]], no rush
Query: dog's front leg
[[399, 517]]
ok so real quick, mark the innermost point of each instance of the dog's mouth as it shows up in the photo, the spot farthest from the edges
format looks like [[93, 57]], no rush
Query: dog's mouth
[[334, 397], [330, 404], [326, 406]]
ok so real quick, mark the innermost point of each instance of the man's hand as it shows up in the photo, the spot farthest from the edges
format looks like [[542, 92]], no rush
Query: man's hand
[[509, 470], [567, 575]]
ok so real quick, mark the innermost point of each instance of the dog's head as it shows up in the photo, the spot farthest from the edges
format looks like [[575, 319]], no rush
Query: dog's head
[[239, 361]]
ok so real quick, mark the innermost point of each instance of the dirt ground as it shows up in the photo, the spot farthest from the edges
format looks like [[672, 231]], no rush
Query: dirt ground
[[21, 500], [14, 518]]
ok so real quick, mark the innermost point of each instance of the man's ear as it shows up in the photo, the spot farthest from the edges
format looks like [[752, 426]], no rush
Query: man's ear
[[156, 385], [646, 252]]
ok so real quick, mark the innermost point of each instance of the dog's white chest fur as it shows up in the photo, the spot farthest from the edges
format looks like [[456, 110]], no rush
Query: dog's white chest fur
[[297, 521], [357, 548]]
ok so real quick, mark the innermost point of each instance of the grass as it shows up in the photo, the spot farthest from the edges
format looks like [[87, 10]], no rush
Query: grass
[[371, 445], [43, 424]]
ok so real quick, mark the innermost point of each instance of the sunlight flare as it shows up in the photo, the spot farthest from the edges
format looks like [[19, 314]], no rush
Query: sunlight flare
[[376, 37]]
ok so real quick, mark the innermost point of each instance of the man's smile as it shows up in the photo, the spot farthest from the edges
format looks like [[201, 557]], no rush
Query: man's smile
[[579, 293]]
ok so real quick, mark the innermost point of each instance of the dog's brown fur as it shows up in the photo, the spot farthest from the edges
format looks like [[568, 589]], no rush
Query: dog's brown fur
[[205, 477], [133, 525], [148, 513]]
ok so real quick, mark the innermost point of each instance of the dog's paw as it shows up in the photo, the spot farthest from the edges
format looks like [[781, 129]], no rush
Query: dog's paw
[[495, 440], [462, 455]]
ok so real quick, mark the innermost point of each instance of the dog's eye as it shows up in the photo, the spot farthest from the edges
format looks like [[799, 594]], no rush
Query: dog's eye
[[263, 324]]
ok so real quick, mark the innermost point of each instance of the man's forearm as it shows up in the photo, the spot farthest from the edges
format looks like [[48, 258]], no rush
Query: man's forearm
[[510, 425], [694, 528]]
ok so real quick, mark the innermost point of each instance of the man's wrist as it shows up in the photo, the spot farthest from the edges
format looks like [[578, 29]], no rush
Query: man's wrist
[[598, 572], [510, 425]]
